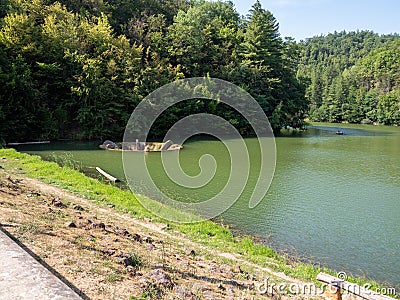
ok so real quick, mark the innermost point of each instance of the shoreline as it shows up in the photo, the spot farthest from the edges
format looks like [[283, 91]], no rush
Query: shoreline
[[207, 234]]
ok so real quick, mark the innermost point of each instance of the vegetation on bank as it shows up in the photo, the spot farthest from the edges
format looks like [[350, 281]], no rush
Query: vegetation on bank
[[217, 236]]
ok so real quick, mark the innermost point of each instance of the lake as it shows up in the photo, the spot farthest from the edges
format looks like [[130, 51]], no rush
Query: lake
[[334, 199]]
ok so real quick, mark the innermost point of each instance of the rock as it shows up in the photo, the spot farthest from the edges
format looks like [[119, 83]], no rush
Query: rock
[[147, 239], [164, 226], [191, 252], [237, 269], [150, 247], [14, 181], [100, 225], [197, 287], [221, 287], [161, 278], [58, 203], [136, 237], [109, 252], [78, 207], [130, 269], [208, 295], [71, 225], [250, 277], [184, 294], [144, 281], [109, 145], [121, 231]]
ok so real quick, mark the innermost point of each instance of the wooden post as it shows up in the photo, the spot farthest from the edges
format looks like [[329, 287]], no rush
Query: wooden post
[[333, 291], [336, 286]]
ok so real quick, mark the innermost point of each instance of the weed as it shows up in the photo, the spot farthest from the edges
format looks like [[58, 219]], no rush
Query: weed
[[28, 228], [134, 261], [152, 291], [114, 277]]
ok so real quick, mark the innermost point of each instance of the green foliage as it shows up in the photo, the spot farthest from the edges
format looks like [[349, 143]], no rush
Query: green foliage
[[352, 76], [78, 69]]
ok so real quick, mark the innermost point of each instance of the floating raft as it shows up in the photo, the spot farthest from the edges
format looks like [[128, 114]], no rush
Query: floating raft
[[140, 146]]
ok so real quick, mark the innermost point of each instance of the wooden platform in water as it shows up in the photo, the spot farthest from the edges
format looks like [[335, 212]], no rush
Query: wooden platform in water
[[141, 146]]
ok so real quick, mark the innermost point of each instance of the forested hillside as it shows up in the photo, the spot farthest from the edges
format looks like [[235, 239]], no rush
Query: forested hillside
[[77, 69], [353, 77]]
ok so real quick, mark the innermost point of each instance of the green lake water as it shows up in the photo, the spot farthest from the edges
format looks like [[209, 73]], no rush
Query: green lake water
[[334, 199]]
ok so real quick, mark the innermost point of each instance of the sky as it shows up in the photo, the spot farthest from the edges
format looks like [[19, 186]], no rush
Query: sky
[[303, 19]]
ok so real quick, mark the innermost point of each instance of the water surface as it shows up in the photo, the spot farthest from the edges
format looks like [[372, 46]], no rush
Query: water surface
[[334, 199]]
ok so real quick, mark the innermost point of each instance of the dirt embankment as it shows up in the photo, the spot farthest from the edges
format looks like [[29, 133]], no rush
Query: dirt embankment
[[107, 254]]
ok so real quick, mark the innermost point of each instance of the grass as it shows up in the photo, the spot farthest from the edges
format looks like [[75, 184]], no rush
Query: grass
[[114, 277], [207, 233]]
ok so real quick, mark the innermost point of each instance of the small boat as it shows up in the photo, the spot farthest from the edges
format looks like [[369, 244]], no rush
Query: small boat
[[339, 132], [140, 146]]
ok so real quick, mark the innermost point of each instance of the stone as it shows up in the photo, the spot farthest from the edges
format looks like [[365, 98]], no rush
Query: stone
[[109, 145], [150, 247], [136, 237], [191, 252], [147, 239], [78, 207], [109, 252], [184, 294], [58, 203], [161, 278], [237, 269], [71, 225], [122, 231], [100, 225]]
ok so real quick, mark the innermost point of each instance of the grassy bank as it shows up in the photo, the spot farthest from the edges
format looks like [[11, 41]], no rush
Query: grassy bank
[[210, 234]]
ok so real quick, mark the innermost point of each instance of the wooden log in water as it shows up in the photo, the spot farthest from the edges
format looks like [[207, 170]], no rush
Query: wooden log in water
[[106, 175], [28, 143]]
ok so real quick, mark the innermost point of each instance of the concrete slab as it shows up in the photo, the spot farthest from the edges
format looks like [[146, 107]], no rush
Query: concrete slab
[[23, 277]]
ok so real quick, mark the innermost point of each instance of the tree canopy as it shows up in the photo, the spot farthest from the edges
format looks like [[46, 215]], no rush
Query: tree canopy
[[353, 76], [77, 69]]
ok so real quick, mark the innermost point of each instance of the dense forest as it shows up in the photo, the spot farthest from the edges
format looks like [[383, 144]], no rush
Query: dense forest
[[353, 77], [77, 69]]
